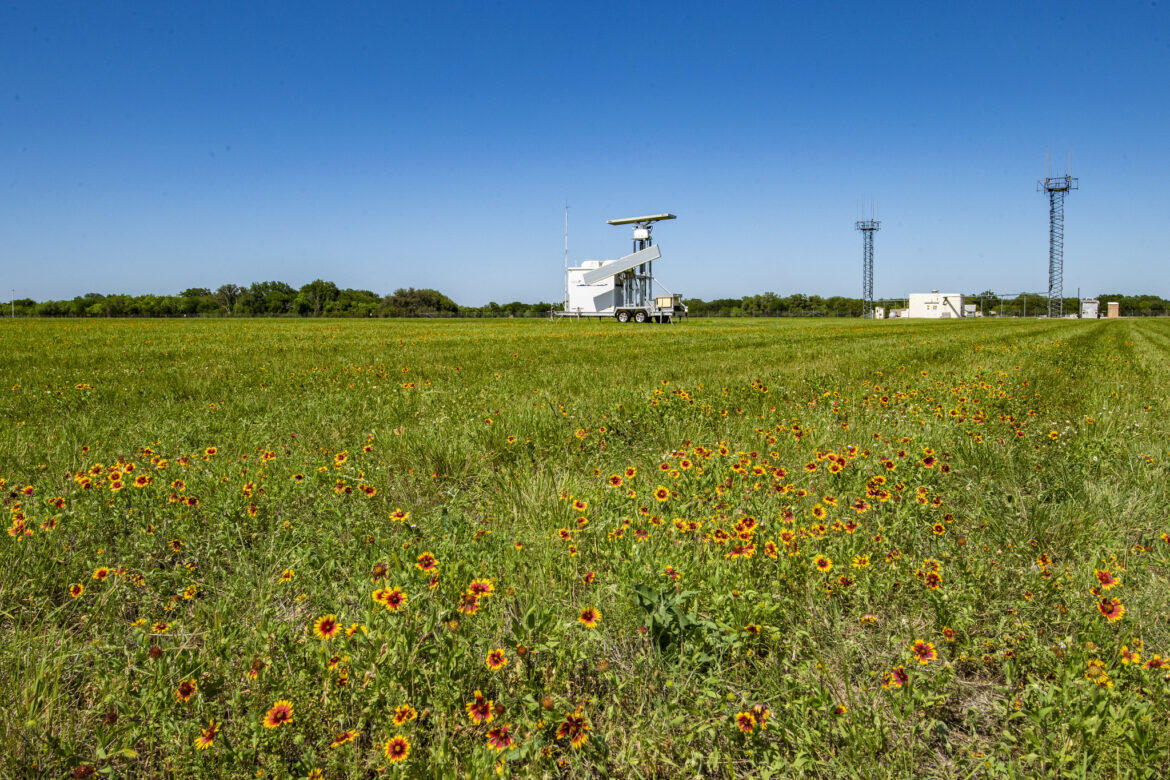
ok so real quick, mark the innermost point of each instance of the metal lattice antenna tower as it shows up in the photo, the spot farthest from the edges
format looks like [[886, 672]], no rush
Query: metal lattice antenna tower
[[1057, 188], [867, 228]]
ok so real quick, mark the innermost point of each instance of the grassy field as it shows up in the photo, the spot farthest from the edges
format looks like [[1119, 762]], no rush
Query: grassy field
[[736, 548]]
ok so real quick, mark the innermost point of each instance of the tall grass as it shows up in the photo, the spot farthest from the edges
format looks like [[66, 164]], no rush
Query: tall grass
[[823, 549]]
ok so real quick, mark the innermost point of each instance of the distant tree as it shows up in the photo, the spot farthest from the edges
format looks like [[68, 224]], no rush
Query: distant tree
[[317, 293], [227, 295], [410, 302]]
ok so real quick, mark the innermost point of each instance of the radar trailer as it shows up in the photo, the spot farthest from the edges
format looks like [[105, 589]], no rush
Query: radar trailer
[[622, 288]]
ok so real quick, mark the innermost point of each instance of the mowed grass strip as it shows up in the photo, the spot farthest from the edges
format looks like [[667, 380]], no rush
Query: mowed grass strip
[[720, 548]]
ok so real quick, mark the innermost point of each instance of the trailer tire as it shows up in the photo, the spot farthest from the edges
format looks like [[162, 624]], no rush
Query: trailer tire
[[623, 316], [639, 317]]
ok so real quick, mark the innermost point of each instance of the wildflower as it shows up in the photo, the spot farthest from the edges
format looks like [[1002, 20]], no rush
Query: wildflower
[[469, 604], [745, 722], [426, 562], [101, 572], [207, 737], [574, 728], [869, 617], [661, 493], [1095, 671], [399, 516], [895, 678], [186, 689], [824, 564], [76, 590], [280, 713], [1130, 656], [932, 580], [924, 651], [404, 713], [496, 659], [392, 598], [480, 710], [286, 576], [948, 633], [589, 617], [1111, 609], [397, 749], [1107, 579], [481, 588], [343, 738], [840, 709], [1155, 662], [160, 627], [860, 561], [326, 627], [499, 738]]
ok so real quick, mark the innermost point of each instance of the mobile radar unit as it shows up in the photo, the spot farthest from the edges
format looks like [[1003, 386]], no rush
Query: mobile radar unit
[[622, 288]]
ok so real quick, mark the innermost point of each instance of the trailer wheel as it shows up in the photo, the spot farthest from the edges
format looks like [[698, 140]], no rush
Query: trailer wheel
[[623, 316], [639, 317]]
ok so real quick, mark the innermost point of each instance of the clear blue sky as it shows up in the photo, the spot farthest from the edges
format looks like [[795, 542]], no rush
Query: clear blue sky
[[155, 146]]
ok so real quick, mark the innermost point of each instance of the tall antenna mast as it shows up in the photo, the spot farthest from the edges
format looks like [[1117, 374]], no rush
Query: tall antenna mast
[[566, 255], [1056, 187], [867, 227]]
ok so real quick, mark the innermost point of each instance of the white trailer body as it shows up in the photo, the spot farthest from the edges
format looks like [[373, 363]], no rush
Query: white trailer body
[[598, 298]]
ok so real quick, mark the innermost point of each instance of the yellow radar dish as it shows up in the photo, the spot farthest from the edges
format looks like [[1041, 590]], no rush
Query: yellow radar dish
[[637, 220]]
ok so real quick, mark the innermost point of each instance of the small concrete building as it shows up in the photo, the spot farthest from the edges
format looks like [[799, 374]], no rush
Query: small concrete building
[[1090, 308], [1114, 310], [935, 305], [879, 312]]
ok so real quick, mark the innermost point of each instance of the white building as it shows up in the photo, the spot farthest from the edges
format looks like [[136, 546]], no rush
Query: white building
[[1090, 308], [935, 305]]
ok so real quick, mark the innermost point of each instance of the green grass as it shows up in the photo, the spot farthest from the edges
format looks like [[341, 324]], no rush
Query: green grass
[[1025, 455]]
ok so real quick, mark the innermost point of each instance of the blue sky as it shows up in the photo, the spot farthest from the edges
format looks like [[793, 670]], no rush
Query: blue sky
[[151, 147]]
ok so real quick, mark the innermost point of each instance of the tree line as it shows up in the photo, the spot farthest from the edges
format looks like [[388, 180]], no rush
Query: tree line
[[320, 298]]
